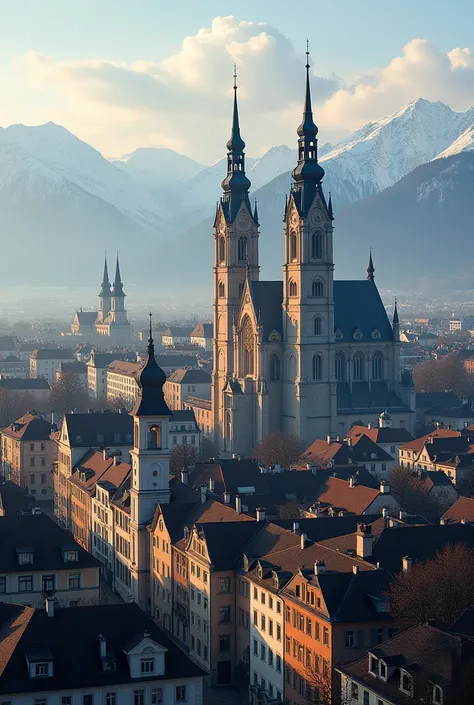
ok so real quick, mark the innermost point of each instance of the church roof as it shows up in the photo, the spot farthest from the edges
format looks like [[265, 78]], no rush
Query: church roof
[[86, 318], [267, 298], [358, 306], [364, 398]]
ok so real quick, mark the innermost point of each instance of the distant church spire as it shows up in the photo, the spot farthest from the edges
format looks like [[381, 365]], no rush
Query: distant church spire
[[396, 320], [105, 287], [117, 289], [370, 268], [330, 210], [235, 183]]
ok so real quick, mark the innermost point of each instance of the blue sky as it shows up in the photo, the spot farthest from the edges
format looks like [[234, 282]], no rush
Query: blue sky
[[94, 66]]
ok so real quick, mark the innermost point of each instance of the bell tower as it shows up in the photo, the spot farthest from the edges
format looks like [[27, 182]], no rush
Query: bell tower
[[104, 296], [309, 392], [235, 258]]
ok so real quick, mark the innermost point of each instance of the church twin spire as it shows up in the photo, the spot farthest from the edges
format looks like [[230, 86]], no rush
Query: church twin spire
[[105, 290], [117, 289], [236, 182]]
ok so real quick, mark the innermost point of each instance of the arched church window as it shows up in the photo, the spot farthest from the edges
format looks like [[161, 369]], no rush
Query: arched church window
[[136, 436], [242, 249], [221, 249], [317, 245], [377, 366], [340, 371], [293, 246], [228, 429], [221, 290], [274, 367], [318, 325], [154, 437], [293, 288], [317, 366], [248, 345], [292, 367], [317, 288], [358, 367]]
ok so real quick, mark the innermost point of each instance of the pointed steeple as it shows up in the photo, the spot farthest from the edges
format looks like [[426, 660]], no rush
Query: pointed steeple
[[330, 211], [105, 287], [151, 380], [255, 213], [235, 183], [307, 170], [395, 320], [117, 289], [370, 268]]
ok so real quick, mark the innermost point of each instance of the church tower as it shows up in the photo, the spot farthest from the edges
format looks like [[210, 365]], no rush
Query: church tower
[[104, 296], [119, 315], [309, 390], [150, 459], [235, 259]]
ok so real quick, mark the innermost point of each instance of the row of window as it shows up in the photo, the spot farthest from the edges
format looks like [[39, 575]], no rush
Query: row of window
[[42, 459], [142, 696], [202, 650], [340, 365], [264, 601], [262, 682], [25, 583], [266, 625], [261, 650]]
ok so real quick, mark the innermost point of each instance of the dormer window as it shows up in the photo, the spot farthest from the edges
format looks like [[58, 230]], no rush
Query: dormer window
[[42, 670], [437, 695], [70, 555], [147, 665], [373, 665], [40, 664], [260, 572], [383, 670], [406, 682], [25, 555]]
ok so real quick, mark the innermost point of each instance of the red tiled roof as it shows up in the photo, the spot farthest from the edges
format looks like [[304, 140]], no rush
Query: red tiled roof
[[463, 508], [339, 493], [418, 443]]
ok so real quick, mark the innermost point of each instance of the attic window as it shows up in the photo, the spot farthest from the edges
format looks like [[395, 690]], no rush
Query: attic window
[[373, 665], [25, 556], [100, 438], [245, 563], [42, 670], [383, 670], [70, 555], [406, 682], [260, 572]]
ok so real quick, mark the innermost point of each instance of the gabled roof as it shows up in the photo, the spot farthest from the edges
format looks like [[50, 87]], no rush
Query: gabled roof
[[339, 494], [29, 427], [190, 377], [358, 306], [463, 508], [382, 435], [267, 297], [97, 468], [99, 430], [224, 541], [178, 331], [417, 444], [86, 318], [24, 384], [203, 330], [130, 369], [426, 400], [78, 368], [71, 638], [15, 500]]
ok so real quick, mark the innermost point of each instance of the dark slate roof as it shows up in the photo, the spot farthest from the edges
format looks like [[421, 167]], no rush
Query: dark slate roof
[[267, 298], [183, 415], [465, 624], [86, 318], [373, 399], [102, 360], [45, 538], [77, 663], [426, 400], [226, 540], [21, 383], [29, 428], [357, 305], [83, 429], [178, 331], [52, 354], [326, 527], [78, 368], [190, 377], [15, 500], [167, 360], [8, 343]]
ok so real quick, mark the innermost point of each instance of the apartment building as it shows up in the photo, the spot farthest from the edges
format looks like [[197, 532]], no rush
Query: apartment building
[[182, 384], [113, 654], [12, 367], [44, 362], [38, 389], [359, 450], [176, 335], [202, 412], [121, 381], [97, 373], [29, 454], [183, 429], [36, 555], [78, 434]]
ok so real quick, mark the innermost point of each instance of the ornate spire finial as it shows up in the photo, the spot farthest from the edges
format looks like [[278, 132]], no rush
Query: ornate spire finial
[[235, 77], [370, 268], [151, 346], [255, 212], [307, 53], [330, 211], [396, 320], [236, 180]]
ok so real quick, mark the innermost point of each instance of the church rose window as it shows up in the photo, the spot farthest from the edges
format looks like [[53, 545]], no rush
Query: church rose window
[[248, 344], [377, 366], [318, 326], [317, 288], [317, 366], [274, 367], [340, 371], [358, 367]]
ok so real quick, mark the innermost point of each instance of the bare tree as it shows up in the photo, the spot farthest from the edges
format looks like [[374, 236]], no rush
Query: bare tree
[[280, 448], [412, 494], [183, 458], [13, 405], [68, 393], [447, 374], [118, 403], [440, 588]]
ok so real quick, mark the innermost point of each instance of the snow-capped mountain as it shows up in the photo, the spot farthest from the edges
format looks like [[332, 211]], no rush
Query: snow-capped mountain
[[464, 143], [154, 167], [75, 162]]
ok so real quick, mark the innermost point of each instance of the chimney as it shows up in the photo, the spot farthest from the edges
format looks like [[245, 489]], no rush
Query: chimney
[[212, 485], [226, 497], [116, 460], [102, 646], [349, 442], [184, 477], [402, 514], [385, 513], [303, 538], [296, 527], [443, 521], [369, 426], [238, 504], [50, 604], [203, 489], [407, 563], [364, 540], [384, 487], [355, 569], [104, 454], [328, 439], [393, 524], [260, 513], [319, 567], [352, 482]]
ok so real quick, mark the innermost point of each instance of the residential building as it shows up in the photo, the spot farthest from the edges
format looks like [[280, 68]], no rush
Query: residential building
[[8, 346], [121, 381], [44, 362], [111, 319], [182, 384], [78, 434], [359, 450], [410, 453], [423, 664], [176, 335], [461, 511], [29, 455], [37, 389], [113, 654], [202, 409], [76, 368], [36, 555], [169, 362], [15, 500], [338, 495], [97, 373], [305, 355], [183, 429], [12, 366], [385, 435], [449, 453], [202, 335], [25, 350]]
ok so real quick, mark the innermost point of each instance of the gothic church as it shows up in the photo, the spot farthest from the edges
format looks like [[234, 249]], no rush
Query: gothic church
[[307, 355]]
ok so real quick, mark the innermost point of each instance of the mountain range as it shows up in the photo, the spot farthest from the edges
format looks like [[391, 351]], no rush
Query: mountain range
[[402, 185]]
